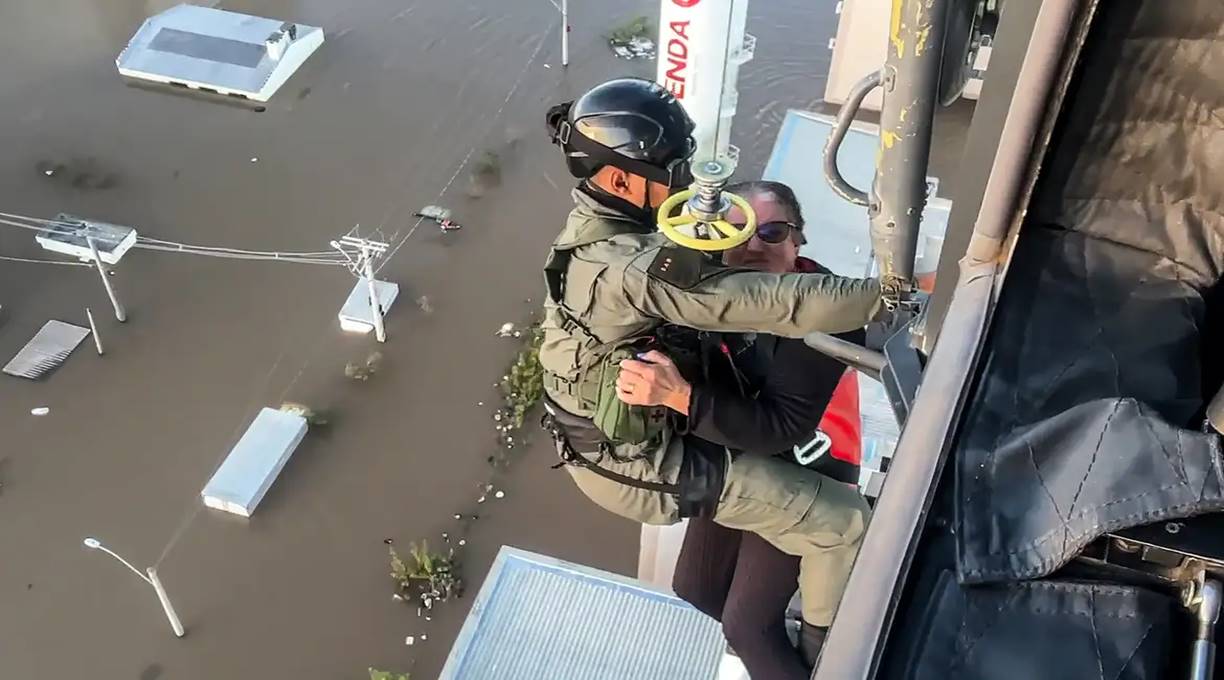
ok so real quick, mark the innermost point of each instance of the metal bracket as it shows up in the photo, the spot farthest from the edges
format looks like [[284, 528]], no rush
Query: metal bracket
[[902, 372]]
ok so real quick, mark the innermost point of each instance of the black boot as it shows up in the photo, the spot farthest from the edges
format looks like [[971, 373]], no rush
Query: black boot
[[811, 639]]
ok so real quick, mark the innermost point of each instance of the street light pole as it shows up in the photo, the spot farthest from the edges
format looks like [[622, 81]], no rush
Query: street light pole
[[565, 32], [151, 579], [162, 597]]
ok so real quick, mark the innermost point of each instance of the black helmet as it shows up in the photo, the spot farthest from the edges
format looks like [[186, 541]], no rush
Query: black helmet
[[629, 123]]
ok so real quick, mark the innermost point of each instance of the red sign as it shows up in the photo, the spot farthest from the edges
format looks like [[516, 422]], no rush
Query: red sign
[[677, 51], [686, 3]]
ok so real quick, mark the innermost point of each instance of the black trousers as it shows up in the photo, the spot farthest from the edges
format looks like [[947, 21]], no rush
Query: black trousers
[[745, 583]]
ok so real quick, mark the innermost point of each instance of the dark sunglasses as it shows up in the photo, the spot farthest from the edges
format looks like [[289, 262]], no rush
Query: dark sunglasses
[[774, 233]]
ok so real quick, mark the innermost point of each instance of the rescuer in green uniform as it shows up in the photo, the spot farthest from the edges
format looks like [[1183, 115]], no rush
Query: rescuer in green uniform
[[614, 282]]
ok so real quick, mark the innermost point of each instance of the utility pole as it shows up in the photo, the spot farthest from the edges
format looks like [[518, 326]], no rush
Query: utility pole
[[364, 267], [120, 314], [93, 328], [565, 30]]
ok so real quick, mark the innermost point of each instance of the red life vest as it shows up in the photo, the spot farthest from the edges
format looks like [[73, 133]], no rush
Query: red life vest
[[842, 421]]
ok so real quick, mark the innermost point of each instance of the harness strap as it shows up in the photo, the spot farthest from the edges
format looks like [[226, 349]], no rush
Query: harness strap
[[569, 456]]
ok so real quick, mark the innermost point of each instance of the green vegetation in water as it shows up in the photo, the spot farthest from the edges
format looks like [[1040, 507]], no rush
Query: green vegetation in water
[[523, 385], [314, 417], [488, 167], [637, 27], [376, 674], [426, 576]]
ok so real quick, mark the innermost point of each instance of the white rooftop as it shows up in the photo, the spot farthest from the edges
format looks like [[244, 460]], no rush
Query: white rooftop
[[218, 51]]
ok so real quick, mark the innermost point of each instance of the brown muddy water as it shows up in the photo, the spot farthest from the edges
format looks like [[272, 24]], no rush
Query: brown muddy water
[[372, 128]]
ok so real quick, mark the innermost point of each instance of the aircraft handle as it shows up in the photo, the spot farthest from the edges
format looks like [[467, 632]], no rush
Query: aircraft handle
[[845, 117]]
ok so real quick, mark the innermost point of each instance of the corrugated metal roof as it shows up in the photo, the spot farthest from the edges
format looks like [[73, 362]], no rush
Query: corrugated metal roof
[[46, 350], [538, 618]]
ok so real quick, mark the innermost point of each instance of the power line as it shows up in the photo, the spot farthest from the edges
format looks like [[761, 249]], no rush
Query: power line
[[496, 115], [20, 225], [221, 249], [7, 258], [328, 257], [296, 258]]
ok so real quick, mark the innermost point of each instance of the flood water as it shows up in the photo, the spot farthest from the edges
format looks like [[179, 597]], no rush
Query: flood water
[[373, 127]]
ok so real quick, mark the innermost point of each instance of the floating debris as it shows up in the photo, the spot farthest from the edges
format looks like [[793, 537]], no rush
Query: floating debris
[[631, 40], [500, 494], [480, 403], [40, 411], [462, 542], [434, 212], [635, 48], [313, 417], [480, 500], [425, 305], [254, 159], [506, 331], [396, 597], [410, 640], [362, 371], [458, 516], [424, 637], [49, 348]]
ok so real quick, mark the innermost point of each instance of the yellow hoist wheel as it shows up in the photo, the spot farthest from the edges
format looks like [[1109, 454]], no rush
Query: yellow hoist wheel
[[720, 234]]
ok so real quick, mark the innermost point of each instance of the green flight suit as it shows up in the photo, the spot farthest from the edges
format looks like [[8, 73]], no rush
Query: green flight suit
[[609, 295]]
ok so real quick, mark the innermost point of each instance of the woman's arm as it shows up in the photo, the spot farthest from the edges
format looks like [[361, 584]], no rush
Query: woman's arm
[[786, 411]]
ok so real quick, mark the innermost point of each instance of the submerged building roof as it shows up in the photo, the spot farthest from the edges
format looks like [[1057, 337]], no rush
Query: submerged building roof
[[219, 51], [537, 617]]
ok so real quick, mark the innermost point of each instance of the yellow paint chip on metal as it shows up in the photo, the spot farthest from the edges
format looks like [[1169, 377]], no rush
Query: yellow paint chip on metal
[[894, 28]]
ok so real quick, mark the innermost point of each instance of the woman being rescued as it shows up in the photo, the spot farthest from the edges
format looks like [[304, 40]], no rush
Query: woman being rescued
[[737, 577]]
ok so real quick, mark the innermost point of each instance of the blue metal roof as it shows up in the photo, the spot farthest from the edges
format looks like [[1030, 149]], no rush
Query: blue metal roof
[[538, 618]]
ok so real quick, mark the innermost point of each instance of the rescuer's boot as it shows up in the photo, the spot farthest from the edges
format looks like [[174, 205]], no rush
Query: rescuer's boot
[[811, 639]]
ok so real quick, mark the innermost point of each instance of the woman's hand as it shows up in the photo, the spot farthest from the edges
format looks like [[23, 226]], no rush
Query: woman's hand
[[653, 381]]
